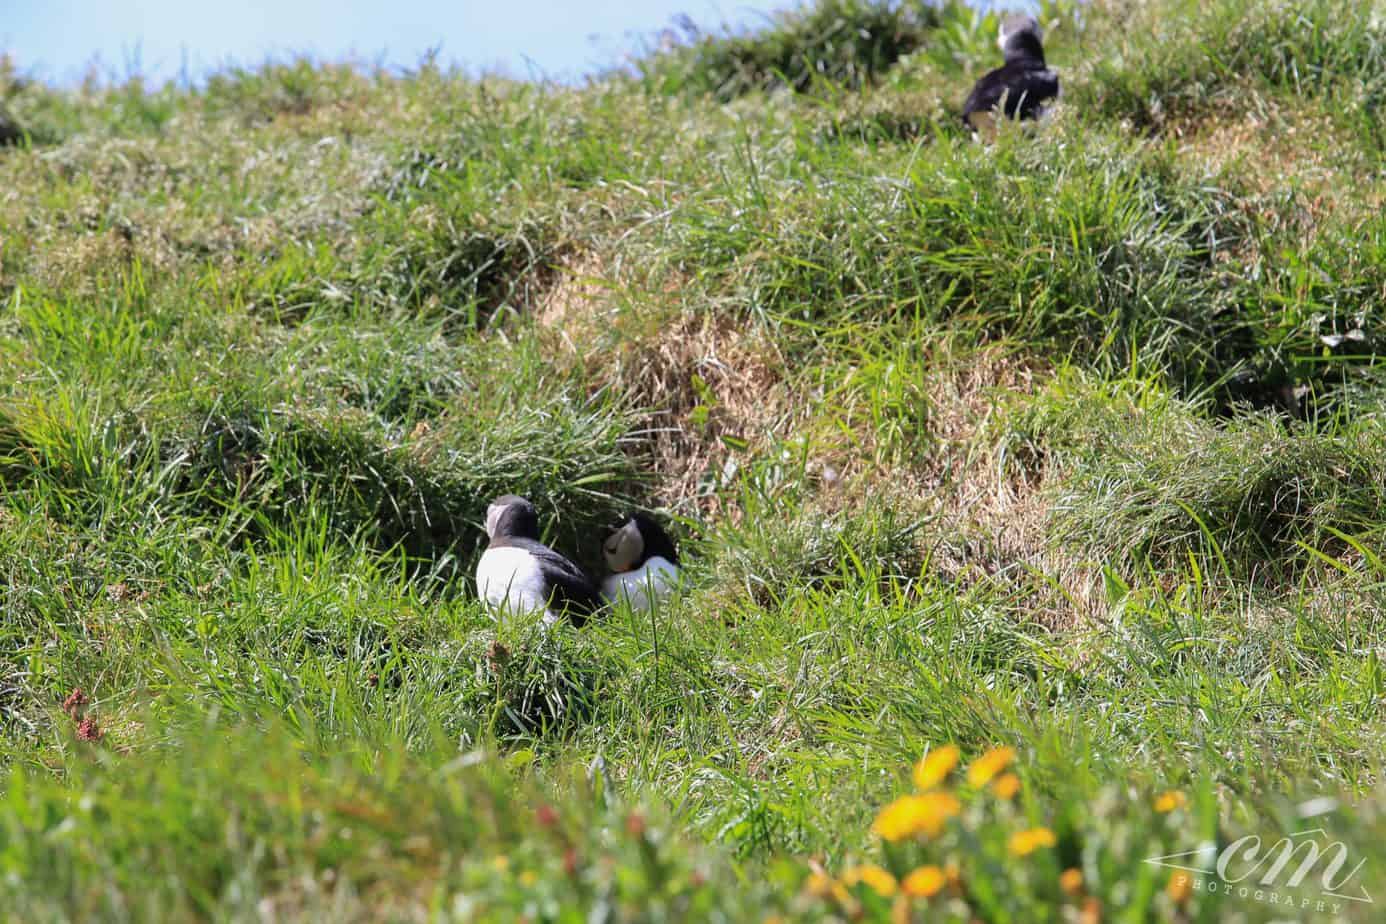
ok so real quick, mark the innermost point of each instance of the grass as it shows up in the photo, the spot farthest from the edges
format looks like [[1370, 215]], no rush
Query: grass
[[1068, 444]]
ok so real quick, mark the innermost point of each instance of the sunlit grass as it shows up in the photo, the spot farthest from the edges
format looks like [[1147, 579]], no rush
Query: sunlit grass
[[1030, 495]]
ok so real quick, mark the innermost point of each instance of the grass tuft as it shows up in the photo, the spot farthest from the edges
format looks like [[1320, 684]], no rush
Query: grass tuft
[[847, 42], [1067, 444]]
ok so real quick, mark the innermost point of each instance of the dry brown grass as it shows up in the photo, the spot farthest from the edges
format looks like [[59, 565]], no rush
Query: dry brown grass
[[84, 263], [579, 302], [713, 392], [709, 388], [1272, 150], [995, 530], [991, 512]]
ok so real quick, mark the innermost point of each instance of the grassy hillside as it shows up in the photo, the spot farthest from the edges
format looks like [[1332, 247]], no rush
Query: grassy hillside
[[1073, 444]]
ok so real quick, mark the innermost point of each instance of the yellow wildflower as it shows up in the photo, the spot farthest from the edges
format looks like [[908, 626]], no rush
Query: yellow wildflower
[[988, 765], [880, 881], [1006, 785], [1071, 881], [1179, 888], [1023, 843], [500, 863], [911, 815], [924, 882], [1169, 801], [931, 771], [528, 878], [819, 885]]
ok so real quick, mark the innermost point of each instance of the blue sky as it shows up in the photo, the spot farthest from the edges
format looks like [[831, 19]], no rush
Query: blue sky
[[57, 39]]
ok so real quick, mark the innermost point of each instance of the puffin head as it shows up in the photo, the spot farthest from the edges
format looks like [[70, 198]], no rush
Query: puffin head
[[1021, 38], [513, 517], [635, 542]]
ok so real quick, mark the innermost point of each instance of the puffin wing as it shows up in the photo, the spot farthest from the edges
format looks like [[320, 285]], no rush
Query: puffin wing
[[1032, 92], [570, 587], [1016, 87]]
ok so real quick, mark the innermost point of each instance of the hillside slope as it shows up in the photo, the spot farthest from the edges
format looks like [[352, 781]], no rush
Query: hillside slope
[[1071, 444]]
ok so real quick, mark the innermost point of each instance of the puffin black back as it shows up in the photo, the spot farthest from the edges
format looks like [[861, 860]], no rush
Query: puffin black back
[[1021, 87]]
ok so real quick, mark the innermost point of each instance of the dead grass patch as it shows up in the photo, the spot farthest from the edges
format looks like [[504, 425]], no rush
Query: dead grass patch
[[994, 530], [579, 302], [990, 510], [711, 389], [83, 265], [714, 392], [1272, 150]]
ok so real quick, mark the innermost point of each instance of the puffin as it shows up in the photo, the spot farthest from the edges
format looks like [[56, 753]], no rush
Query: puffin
[[1022, 86], [519, 574], [643, 561]]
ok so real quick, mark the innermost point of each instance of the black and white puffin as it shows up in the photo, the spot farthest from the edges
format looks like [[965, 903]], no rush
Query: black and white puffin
[[519, 574], [643, 561], [1022, 86]]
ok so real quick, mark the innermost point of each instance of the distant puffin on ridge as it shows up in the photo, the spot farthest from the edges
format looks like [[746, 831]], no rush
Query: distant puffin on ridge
[[519, 574], [643, 562], [1022, 86]]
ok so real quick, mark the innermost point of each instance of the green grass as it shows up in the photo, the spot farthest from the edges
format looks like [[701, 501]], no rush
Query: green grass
[[1070, 443]]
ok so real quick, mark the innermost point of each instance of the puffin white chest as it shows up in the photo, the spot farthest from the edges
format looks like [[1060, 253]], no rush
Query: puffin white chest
[[513, 580], [644, 586]]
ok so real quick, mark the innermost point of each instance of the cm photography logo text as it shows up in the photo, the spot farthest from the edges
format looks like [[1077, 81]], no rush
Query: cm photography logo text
[[1307, 871]]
